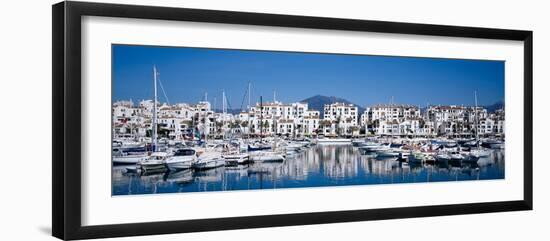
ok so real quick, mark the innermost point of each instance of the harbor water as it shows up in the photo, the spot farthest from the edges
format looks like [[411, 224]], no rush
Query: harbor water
[[318, 166]]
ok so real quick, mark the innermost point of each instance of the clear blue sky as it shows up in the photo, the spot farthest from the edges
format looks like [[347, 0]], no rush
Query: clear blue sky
[[187, 73]]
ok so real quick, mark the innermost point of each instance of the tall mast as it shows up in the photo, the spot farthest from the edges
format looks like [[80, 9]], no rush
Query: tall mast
[[214, 113], [273, 115], [476, 119], [248, 110], [261, 118], [249, 95], [223, 113], [154, 134]]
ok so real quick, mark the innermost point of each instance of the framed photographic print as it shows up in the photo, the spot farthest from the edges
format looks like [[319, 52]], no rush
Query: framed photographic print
[[169, 120]]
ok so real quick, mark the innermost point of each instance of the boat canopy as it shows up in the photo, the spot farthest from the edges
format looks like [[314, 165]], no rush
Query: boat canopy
[[184, 152]]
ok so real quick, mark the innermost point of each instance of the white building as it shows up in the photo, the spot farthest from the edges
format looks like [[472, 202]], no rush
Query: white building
[[390, 112], [343, 118]]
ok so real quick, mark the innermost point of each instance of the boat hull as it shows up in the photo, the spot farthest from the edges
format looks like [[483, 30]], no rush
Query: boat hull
[[333, 141], [128, 160], [180, 162], [210, 164], [179, 165], [267, 157], [236, 159], [153, 167]]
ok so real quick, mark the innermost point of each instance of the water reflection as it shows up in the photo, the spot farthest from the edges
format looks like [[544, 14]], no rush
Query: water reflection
[[318, 166]]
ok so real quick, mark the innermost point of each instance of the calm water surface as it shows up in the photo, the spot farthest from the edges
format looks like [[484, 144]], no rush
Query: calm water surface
[[320, 165]]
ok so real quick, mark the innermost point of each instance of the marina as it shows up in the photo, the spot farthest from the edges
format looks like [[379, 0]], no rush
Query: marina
[[315, 166], [159, 147]]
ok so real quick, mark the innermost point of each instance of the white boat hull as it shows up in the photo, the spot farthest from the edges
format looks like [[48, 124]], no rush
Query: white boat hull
[[267, 157], [153, 167], [442, 158], [179, 165], [209, 164], [415, 158], [233, 159], [128, 160], [497, 146], [336, 141], [209, 160], [180, 162]]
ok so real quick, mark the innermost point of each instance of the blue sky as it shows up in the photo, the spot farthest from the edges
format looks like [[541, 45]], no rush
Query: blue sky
[[187, 73]]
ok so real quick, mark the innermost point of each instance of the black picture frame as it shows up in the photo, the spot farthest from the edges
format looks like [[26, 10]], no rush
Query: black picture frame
[[66, 127]]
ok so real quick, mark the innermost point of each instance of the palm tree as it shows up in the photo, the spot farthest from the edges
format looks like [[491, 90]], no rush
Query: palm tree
[[132, 127], [354, 129], [323, 124], [219, 127]]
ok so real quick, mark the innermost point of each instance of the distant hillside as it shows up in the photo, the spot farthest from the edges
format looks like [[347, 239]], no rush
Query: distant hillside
[[318, 102], [495, 106]]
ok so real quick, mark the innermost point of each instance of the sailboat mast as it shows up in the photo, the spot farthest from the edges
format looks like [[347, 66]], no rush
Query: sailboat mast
[[261, 118], [223, 113], [249, 95], [476, 119], [248, 114], [154, 134]]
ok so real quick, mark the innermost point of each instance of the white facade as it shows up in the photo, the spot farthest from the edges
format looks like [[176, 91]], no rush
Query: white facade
[[390, 112], [343, 117], [178, 121]]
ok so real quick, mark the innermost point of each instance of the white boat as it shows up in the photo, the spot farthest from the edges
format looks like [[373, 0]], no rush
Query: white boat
[[456, 156], [449, 155], [469, 157], [368, 144], [388, 153], [296, 146], [209, 160], [497, 145], [334, 141], [479, 152], [358, 142], [417, 157], [266, 156], [404, 154], [122, 158], [375, 147], [182, 159], [442, 157], [154, 163], [425, 153], [236, 158]]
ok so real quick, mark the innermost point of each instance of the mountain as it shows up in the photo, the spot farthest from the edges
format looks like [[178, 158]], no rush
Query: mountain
[[492, 108], [318, 102]]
